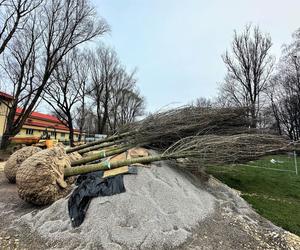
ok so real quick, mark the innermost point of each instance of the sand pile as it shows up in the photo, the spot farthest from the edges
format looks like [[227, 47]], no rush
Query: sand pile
[[160, 207]]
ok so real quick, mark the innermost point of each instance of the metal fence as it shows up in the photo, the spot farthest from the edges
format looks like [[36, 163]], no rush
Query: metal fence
[[287, 162]]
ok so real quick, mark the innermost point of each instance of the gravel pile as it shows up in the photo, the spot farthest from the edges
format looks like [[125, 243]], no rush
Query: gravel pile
[[159, 209]]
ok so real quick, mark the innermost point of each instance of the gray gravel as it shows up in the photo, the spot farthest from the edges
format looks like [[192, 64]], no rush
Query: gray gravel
[[159, 209], [232, 226]]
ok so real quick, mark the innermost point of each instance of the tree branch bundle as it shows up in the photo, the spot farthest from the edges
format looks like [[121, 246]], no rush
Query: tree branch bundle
[[40, 182], [160, 130]]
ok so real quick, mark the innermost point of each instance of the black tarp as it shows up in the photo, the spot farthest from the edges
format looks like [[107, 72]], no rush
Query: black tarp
[[89, 186]]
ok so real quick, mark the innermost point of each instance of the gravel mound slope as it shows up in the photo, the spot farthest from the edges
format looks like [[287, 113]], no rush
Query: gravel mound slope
[[232, 226], [159, 209]]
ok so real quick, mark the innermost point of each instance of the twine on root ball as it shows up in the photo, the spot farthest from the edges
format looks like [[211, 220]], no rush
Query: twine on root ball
[[40, 178], [15, 161]]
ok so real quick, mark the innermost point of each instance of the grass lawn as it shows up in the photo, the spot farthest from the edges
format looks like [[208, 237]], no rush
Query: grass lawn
[[273, 194]]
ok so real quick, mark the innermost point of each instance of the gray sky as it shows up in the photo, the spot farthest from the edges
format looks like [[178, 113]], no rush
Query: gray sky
[[177, 44]]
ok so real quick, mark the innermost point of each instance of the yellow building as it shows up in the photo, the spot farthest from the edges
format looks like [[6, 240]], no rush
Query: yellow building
[[36, 124], [5, 99]]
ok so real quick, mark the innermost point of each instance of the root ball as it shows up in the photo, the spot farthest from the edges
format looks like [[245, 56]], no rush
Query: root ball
[[74, 156], [40, 178], [15, 161]]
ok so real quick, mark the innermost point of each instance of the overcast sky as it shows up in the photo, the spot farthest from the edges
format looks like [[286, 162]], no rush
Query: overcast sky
[[177, 44]]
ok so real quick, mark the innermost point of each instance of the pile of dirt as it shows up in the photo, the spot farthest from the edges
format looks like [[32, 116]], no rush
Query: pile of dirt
[[159, 209]]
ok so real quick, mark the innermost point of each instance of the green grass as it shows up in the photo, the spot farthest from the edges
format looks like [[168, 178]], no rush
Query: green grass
[[273, 194]]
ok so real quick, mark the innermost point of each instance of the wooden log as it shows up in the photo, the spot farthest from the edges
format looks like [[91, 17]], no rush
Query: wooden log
[[102, 154]]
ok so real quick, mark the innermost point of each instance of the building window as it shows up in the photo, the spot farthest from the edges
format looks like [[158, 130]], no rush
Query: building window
[[29, 131], [63, 135], [53, 133]]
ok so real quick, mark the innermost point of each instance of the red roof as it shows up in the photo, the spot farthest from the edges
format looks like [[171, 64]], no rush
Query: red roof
[[57, 124], [54, 126], [42, 116], [6, 96]]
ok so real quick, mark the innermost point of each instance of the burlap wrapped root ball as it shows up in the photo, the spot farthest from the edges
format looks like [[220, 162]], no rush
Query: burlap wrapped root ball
[[40, 178], [74, 156], [15, 161]]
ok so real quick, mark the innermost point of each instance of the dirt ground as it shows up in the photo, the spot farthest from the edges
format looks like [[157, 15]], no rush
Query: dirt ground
[[11, 208], [234, 225]]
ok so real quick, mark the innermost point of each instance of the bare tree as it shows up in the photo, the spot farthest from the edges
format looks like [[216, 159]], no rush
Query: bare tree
[[64, 91], [113, 91], [19, 66], [126, 103], [285, 93], [123, 83], [59, 27], [249, 65], [132, 106], [104, 69], [13, 16], [203, 102], [82, 77], [90, 126]]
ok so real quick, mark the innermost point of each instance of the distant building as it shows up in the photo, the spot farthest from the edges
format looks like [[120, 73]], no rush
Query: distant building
[[5, 99], [36, 124]]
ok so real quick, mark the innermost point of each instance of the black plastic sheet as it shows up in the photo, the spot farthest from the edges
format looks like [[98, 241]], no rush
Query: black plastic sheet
[[89, 186]]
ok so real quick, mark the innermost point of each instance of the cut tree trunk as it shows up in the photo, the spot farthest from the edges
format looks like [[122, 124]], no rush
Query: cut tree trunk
[[100, 155], [90, 144]]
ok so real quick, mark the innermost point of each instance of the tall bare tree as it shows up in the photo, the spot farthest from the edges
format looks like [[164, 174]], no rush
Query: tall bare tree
[[249, 65], [285, 93], [82, 77], [104, 70], [125, 103], [13, 16], [64, 91], [113, 91], [20, 69], [59, 27]]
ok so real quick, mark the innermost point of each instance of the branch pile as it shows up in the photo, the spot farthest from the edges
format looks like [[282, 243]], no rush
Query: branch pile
[[211, 149], [215, 149], [160, 130], [200, 136]]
